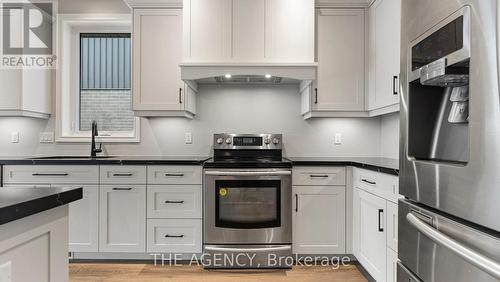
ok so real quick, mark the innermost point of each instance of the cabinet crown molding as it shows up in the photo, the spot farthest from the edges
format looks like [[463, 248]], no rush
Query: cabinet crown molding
[[343, 3], [154, 3]]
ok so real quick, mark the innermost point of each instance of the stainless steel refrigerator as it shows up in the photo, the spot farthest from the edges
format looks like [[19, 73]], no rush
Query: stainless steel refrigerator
[[449, 221]]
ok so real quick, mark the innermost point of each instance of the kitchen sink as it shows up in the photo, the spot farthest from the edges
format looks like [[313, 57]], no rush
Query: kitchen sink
[[71, 157]]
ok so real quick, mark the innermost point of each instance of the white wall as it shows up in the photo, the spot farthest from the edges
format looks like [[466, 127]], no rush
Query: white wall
[[389, 136], [248, 109]]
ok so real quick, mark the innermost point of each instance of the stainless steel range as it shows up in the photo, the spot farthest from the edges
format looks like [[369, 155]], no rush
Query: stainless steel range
[[247, 202], [449, 225]]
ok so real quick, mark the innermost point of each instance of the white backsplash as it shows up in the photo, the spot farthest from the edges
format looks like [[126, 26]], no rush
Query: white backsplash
[[243, 109]]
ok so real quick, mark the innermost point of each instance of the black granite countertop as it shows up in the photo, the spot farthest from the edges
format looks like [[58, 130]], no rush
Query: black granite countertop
[[19, 202], [113, 160], [385, 165]]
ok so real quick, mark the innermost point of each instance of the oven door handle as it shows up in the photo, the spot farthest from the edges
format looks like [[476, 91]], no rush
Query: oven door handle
[[473, 257], [248, 173], [249, 250]]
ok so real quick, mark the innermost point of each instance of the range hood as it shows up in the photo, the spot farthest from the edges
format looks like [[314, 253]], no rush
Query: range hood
[[253, 74]]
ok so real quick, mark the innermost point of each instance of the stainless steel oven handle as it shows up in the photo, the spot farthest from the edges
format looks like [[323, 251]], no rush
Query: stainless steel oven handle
[[249, 250], [248, 173], [478, 260]]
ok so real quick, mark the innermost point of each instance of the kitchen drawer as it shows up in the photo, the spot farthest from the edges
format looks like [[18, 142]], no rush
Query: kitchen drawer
[[392, 226], [174, 175], [174, 235], [126, 174], [321, 176], [50, 174], [381, 184], [174, 201]]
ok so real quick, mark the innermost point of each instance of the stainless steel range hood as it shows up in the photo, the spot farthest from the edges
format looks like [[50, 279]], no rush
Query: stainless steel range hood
[[248, 74]]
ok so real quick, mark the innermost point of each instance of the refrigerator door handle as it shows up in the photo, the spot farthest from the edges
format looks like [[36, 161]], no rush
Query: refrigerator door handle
[[478, 260]]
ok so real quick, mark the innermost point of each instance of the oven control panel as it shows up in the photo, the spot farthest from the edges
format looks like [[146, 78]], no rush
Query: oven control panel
[[227, 141]]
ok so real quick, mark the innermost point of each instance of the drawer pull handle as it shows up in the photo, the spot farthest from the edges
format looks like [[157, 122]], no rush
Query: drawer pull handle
[[49, 174], [318, 176], [380, 227], [369, 182], [122, 174], [122, 189], [174, 174], [174, 236], [174, 202], [296, 203]]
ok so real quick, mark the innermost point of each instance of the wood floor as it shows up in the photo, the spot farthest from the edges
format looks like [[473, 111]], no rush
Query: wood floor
[[106, 272]]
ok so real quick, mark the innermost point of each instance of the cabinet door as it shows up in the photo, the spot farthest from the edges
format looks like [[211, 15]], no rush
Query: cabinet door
[[356, 200], [207, 30], [385, 25], [122, 218], [157, 42], [392, 226], [392, 266], [341, 63], [319, 220], [372, 235], [290, 31], [248, 30], [84, 221]]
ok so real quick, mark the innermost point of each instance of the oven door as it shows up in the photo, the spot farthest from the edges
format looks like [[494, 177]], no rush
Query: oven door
[[247, 207]]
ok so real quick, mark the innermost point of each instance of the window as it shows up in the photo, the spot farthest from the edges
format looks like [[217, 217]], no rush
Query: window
[[94, 79], [105, 94]]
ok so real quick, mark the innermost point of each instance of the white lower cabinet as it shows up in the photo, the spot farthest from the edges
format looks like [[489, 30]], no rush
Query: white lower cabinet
[[371, 235], [392, 226], [84, 221], [174, 235], [392, 265], [319, 220], [174, 201], [122, 218], [375, 223]]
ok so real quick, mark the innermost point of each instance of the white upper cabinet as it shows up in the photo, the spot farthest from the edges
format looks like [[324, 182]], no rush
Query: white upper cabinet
[[206, 30], [341, 64], [157, 43], [248, 31], [290, 31], [384, 55], [26, 92]]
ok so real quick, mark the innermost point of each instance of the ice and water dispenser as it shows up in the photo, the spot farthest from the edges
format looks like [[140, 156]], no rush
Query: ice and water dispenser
[[438, 93]]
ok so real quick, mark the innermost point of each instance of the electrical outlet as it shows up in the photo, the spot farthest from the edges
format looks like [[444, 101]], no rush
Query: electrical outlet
[[188, 138], [14, 137], [6, 272], [338, 138], [46, 137]]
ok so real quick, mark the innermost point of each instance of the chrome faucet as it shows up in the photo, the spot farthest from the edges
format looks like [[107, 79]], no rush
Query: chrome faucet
[[93, 149]]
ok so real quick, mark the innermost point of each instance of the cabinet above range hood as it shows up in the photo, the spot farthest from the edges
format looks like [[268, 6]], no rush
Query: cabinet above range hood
[[248, 41]]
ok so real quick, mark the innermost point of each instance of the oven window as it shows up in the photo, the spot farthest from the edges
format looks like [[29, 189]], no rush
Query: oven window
[[246, 204]]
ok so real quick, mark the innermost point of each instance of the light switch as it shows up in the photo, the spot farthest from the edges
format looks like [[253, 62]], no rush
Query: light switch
[[14, 137], [338, 138], [188, 138]]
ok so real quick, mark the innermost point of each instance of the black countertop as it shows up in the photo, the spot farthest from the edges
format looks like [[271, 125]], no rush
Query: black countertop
[[19, 202], [115, 160], [385, 165]]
